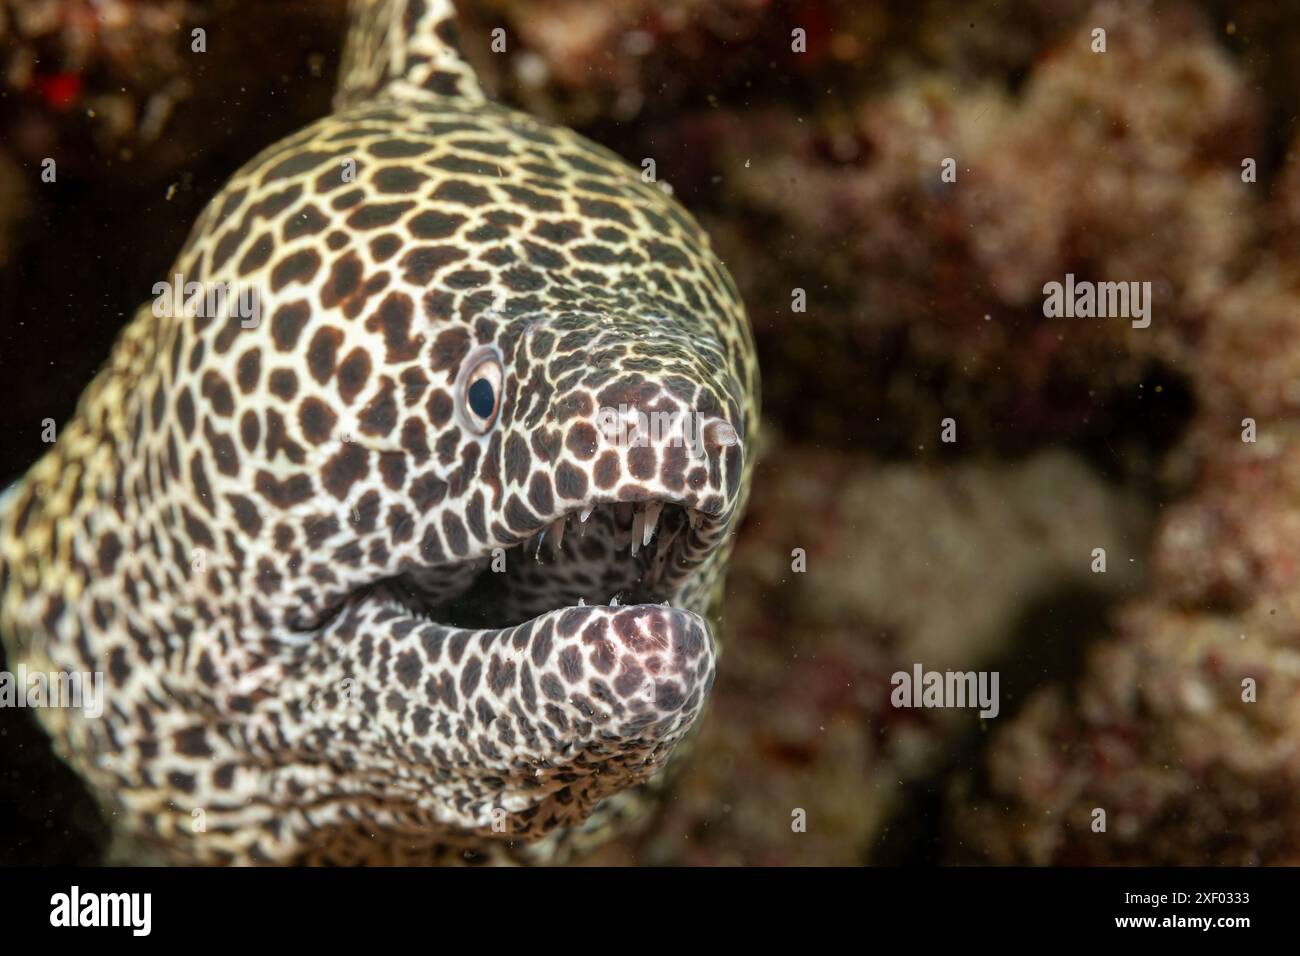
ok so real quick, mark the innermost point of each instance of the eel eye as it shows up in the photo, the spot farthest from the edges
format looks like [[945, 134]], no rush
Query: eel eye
[[479, 390]]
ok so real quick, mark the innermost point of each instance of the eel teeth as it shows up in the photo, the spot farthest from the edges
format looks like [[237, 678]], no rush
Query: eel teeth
[[638, 530], [613, 602], [650, 521], [645, 521], [582, 602]]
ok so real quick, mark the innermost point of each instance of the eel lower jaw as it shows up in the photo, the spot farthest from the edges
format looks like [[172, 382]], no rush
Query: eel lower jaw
[[561, 712], [645, 674]]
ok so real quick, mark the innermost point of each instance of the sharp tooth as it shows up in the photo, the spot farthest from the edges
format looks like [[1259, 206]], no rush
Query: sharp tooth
[[652, 510], [540, 538], [638, 528], [586, 513], [613, 602], [557, 530], [582, 602]]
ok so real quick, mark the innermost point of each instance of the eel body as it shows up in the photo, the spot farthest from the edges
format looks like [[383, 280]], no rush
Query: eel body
[[415, 557]]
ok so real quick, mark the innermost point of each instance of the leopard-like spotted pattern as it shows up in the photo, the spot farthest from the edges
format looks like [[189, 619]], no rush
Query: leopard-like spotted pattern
[[348, 568]]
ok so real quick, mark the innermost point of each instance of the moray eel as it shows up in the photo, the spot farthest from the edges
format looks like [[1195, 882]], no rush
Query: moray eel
[[399, 568]]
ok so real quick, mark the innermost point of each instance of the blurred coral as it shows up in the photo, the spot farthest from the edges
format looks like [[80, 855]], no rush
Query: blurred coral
[[1158, 736], [116, 61], [139, 80]]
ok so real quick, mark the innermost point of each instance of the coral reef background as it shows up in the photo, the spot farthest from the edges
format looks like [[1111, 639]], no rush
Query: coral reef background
[[820, 171]]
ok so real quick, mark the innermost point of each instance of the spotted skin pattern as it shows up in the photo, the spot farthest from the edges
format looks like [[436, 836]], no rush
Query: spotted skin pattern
[[343, 615]]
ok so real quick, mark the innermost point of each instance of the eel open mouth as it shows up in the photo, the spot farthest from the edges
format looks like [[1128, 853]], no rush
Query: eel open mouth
[[560, 668], [605, 552]]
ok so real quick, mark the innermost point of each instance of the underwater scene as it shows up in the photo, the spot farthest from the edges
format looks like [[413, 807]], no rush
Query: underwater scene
[[649, 433]]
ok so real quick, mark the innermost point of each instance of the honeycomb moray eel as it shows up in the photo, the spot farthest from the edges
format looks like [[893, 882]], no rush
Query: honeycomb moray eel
[[380, 579]]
